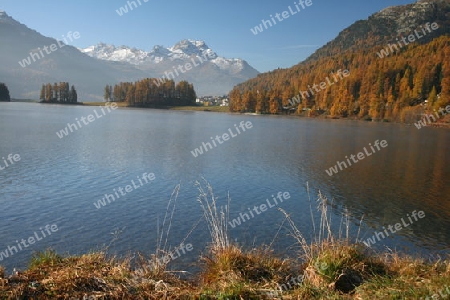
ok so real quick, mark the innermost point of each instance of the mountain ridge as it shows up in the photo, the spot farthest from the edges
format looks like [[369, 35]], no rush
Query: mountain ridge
[[90, 75], [397, 21], [183, 50]]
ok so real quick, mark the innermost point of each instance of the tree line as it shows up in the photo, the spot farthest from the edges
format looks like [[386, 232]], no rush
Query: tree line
[[150, 92], [379, 89], [58, 93], [4, 93]]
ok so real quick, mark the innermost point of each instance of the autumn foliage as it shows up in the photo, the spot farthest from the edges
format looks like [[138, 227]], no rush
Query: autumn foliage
[[390, 88], [151, 92]]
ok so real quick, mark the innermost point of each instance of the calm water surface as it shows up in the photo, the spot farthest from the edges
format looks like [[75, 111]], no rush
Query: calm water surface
[[58, 180]]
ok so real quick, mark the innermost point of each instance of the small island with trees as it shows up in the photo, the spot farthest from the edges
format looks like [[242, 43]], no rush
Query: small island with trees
[[150, 93], [58, 93]]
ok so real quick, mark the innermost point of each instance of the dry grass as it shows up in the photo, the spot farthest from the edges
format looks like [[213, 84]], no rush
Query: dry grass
[[216, 218], [228, 271], [233, 273], [330, 267], [410, 278], [91, 275], [51, 276]]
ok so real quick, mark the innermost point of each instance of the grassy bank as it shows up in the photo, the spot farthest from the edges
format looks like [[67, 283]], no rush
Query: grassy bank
[[192, 108], [24, 100], [202, 108], [119, 104], [330, 267]]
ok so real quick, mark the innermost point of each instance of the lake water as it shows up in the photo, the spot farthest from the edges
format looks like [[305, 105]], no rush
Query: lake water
[[58, 180]]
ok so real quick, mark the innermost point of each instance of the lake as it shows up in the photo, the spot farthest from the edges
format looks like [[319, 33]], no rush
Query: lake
[[58, 180]]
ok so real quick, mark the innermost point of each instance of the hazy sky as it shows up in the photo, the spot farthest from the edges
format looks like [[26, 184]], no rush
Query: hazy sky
[[223, 25]]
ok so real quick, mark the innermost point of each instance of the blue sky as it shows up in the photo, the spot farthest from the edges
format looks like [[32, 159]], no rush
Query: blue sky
[[223, 25]]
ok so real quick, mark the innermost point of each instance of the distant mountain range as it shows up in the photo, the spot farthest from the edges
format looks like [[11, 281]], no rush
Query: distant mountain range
[[92, 68], [211, 74], [185, 49]]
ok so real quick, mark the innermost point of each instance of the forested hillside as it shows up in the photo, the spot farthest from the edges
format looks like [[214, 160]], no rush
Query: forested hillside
[[387, 78]]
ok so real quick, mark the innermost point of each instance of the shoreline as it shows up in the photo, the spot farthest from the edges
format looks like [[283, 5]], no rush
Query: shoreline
[[443, 122], [223, 109], [340, 269]]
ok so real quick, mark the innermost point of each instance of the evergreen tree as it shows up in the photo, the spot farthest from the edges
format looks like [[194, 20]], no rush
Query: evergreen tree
[[131, 96], [191, 95], [73, 97], [42, 94], [67, 91], [108, 92], [4, 93], [64, 92], [48, 92], [117, 93], [56, 93]]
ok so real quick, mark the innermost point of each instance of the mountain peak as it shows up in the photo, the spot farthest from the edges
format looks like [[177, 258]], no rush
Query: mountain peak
[[4, 15], [414, 10], [188, 44], [6, 19], [162, 60], [387, 25], [190, 47], [185, 49], [115, 53], [106, 63]]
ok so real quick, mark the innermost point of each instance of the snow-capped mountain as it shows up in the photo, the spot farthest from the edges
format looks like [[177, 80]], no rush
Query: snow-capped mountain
[[112, 53], [183, 50], [211, 74], [92, 68], [188, 48]]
